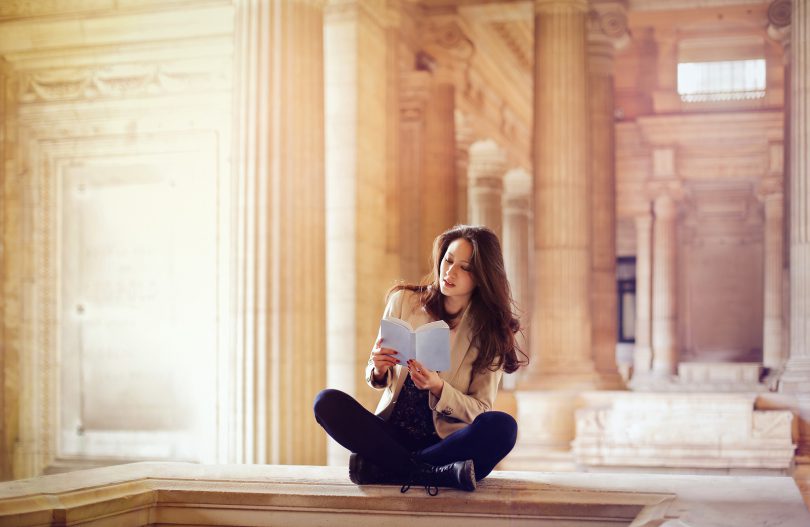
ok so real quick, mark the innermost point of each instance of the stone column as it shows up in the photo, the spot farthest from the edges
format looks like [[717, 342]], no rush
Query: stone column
[[358, 211], [771, 195], [465, 136], [281, 302], [664, 345], [517, 216], [796, 378], [485, 186], [642, 358], [438, 200], [561, 317], [606, 24]]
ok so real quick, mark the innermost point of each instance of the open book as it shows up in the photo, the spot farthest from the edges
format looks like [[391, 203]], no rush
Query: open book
[[429, 344]]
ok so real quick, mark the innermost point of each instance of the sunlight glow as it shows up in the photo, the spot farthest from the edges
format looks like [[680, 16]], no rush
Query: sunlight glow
[[733, 80]]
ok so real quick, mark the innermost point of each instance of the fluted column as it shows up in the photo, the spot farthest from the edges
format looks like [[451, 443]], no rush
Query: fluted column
[[771, 196], [642, 356], [361, 206], [487, 165], [797, 370], [561, 319], [465, 135], [664, 345], [606, 25], [438, 203], [281, 302], [517, 216]]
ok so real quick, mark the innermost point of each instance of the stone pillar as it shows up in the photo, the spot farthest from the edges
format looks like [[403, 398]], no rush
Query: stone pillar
[[606, 24], [796, 377], [427, 168], [465, 135], [664, 345], [642, 357], [517, 216], [359, 210], [797, 370], [771, 195], [438, 200], [281, 302], [485, 185], [516, 238], [561, 316]]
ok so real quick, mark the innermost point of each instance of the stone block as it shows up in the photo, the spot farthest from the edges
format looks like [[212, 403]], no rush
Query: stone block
[[686, 431]]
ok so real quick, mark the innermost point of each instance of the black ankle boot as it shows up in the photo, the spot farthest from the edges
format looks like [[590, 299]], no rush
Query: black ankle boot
[[459, 475], [364, 472]]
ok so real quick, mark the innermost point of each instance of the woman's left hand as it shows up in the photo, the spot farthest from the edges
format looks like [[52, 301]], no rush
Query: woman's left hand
[[425, 379]]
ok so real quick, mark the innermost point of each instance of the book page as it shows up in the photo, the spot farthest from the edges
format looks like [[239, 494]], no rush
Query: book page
[[433, 347], [398, 337]]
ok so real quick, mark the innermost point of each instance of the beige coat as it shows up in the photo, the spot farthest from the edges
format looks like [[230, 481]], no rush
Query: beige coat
[[464, 396]]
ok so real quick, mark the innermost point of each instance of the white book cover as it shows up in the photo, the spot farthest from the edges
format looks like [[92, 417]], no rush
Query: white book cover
[[429, 344]]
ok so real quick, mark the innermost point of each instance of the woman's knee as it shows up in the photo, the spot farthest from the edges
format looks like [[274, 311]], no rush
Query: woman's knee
[[504, 423], [327, 401]]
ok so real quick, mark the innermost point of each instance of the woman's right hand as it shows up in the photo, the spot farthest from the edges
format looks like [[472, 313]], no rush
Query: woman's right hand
[[384, 359]]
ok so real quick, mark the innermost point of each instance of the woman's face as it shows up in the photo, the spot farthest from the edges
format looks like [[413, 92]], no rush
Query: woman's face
[[455, 276]]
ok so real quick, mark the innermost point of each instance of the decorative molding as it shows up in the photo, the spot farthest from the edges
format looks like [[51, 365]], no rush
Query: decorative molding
[[11, 9], [671, 5], [779, 13], [117, 81]]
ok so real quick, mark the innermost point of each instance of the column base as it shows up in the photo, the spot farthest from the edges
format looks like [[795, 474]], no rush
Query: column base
[[796, 377]]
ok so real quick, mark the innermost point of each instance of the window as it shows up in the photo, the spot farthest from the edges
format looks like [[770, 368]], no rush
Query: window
[[626, 283], [731, 80]]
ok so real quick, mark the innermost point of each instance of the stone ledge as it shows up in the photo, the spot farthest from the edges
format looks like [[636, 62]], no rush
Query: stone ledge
[[143, 494]]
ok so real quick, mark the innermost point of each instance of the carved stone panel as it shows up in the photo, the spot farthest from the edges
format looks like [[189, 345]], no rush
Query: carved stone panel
[[137, 264]]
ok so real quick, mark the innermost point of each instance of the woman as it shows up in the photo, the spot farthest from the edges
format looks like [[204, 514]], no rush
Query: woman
[[437, 428]]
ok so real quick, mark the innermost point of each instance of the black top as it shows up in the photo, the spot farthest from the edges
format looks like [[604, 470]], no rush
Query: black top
[[412, 414]]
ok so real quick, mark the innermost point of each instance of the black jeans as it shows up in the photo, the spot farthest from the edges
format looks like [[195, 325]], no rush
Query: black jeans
[[487, 440]]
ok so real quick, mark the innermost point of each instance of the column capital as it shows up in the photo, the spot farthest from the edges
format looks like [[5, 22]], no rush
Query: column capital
[[779, 18], [554, 7], [607, 24], [517, 182], [663, 192], [450, 47], [487, 164]]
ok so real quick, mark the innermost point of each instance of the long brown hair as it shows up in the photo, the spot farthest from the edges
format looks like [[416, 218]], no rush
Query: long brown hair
[[493, 323]]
